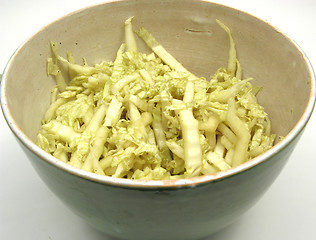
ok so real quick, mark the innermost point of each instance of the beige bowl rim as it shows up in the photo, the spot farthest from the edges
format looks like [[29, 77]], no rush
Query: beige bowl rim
[[150, 184]]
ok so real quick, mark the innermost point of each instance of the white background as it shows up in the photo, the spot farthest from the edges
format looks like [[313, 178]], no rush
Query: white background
[[28, 210]]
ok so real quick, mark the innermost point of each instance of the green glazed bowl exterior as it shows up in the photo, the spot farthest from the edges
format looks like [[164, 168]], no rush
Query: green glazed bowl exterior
[[155, 213], [175, 209]]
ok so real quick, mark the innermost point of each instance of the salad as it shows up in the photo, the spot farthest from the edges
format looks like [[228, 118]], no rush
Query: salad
[[145, 116]]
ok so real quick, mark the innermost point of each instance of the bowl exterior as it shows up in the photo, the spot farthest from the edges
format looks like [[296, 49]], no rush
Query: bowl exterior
[[156, 213]]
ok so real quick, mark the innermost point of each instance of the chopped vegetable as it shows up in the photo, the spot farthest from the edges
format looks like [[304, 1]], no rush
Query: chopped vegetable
[[145, 116]]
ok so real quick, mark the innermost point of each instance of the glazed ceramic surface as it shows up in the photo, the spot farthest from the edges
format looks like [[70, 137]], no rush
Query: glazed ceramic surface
[[184, 209], [151, 213]]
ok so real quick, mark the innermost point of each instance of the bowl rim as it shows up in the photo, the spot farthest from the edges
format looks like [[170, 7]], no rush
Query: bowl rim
[[149, 184]]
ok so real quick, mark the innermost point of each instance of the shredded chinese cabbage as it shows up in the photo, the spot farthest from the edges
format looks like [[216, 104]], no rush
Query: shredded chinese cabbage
[[145, 116]]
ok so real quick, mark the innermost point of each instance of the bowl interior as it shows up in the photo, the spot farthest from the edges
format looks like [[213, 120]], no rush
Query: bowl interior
[[187, 29]]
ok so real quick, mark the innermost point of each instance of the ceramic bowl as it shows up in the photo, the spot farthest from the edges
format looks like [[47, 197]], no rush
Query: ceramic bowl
[[176, 209]]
